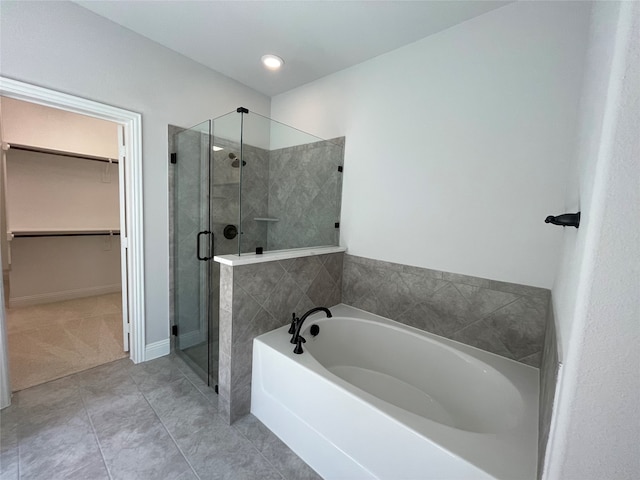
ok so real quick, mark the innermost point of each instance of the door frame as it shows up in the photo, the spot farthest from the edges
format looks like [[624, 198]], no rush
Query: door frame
[[131, 211]]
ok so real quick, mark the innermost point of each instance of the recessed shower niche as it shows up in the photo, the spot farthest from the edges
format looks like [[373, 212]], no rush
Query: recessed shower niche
[[242, 183]]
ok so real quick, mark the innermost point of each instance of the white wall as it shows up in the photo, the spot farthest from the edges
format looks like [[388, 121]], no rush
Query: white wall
[[35, 125], [582, 169], [50, 192], [48, 269], [595, 431], [62, 46], [457, 146]]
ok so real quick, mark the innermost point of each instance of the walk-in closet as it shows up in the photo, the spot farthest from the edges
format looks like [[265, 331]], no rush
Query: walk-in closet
[[61, 251]]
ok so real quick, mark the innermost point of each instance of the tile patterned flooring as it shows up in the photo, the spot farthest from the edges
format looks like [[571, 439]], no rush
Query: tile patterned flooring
[[155, 420], [57, 339]]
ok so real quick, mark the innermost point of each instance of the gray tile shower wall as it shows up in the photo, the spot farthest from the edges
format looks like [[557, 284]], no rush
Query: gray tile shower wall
[[286, 184], [304, 194], [226, 196], [255, 198], [503, 318], [255, 299], [548, 378]]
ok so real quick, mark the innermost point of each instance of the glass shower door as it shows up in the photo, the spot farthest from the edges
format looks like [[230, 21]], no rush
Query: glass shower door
[[194, 317]]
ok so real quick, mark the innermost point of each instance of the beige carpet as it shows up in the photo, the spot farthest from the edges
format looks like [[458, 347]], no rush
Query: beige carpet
[[57, 339]]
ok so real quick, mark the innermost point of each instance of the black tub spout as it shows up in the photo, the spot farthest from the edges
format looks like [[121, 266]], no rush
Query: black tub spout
[[566, 220], [299, 323]]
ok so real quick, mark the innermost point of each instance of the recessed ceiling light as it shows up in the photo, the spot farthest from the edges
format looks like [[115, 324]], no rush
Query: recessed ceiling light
[[272, 62]]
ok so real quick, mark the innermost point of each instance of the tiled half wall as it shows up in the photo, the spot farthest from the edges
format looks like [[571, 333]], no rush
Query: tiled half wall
[[257, 298], [503, 318]]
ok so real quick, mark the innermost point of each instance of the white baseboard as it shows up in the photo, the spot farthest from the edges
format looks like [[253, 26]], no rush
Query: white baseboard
[[191, 338], [157, 350], [61, 296]]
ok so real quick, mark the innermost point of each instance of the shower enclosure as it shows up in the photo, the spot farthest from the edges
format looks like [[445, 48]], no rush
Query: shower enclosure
[[242, 184]]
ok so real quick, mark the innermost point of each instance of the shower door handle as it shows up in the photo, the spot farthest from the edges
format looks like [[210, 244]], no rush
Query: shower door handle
[[205, 258]]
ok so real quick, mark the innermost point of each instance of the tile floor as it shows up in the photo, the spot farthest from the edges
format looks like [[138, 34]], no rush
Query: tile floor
[[155, 420], [53, 340]]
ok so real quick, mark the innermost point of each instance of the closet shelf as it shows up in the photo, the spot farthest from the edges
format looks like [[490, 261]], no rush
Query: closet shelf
[[66, 232]]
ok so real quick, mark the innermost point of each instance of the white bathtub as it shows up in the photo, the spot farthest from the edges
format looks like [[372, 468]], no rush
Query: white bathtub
[[372, 398]]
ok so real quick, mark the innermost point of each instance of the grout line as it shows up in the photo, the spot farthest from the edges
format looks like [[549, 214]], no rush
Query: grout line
[[95, 434], [268, 461], [198, 388], [437, 289], [165, 427], [500, 308], [258, 450]]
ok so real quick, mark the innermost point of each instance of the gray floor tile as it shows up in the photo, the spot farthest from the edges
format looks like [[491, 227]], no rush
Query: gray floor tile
[[39, 421], [95, 470], [156, 373], [9, 462], [203, 388], [123, 421], [142, 450], [50, 394], [221, 453], [110, 412], [8, 427], [182, 408], [106, 376], [93, 391], [275, 450], [288, 463], [57, 449], [255, 431]]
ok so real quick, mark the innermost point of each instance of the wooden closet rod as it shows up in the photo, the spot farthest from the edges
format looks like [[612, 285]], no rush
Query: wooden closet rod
[[62, 154]]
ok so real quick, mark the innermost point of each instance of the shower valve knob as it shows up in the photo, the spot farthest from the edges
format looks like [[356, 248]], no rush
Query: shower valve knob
[[230, 232]]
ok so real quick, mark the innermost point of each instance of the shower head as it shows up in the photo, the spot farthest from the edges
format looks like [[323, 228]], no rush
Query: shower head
[[236, 161]]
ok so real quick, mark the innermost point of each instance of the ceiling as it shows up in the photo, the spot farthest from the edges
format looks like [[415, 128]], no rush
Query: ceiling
[[315, 38]]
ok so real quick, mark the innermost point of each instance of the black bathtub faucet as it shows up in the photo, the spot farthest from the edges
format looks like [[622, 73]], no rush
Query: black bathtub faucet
[[297, 338]]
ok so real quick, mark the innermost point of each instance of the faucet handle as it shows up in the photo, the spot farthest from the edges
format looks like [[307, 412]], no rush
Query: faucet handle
[[294, 321], [299, 341]]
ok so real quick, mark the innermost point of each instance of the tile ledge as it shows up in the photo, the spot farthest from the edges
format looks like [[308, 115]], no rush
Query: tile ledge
[[251, 258]]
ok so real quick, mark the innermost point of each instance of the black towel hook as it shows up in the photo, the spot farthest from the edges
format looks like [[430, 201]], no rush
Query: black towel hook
[[566, 220]]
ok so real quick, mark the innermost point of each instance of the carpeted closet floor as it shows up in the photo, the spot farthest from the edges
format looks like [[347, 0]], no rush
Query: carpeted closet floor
[[53, 340]]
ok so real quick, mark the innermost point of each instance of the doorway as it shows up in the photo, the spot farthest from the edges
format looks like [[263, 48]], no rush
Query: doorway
[[131, 226], [64, 271]]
